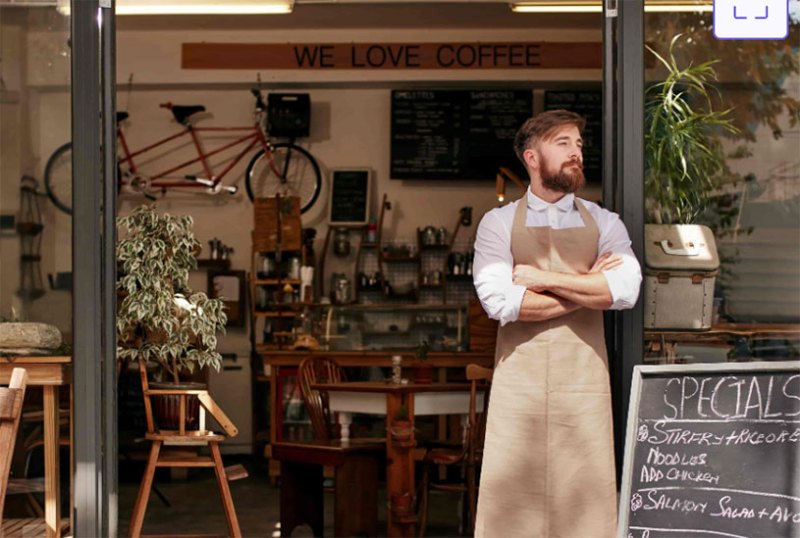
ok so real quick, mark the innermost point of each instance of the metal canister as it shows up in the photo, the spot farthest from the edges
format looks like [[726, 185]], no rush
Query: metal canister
[[397, 369]]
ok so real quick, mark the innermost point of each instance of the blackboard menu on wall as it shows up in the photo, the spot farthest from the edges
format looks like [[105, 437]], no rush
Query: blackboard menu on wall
[[713, 450], [456, 134], [589, 104], [349, 202]]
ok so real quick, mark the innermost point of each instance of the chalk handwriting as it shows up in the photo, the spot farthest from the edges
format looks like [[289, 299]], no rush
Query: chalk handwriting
[[732, 397]]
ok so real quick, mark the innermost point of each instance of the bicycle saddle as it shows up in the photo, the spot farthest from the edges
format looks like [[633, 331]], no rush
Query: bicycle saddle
[[182, 112], [122, 116]]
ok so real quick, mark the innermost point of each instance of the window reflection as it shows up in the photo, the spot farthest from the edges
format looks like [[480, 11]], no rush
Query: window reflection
[[751, 201], [35, 239]]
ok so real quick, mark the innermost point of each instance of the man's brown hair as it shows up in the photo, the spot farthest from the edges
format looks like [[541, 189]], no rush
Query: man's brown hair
[[543, 126]]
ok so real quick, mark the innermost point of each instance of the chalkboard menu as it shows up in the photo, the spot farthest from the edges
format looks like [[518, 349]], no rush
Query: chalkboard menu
[[349, 201], [589, 104], [713, 450], [456, 134]]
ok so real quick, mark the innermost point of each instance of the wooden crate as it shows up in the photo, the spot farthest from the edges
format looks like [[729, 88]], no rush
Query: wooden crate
[[273, 227]]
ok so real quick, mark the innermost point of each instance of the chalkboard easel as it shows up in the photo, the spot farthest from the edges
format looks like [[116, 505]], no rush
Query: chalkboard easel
[[712, 450], [349, 198]]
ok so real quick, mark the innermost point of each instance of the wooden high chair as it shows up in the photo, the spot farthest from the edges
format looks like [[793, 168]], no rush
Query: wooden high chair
[[10, 411], [163, 451]]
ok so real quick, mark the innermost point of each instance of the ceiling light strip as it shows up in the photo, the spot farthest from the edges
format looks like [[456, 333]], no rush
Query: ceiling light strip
[[596, 6]]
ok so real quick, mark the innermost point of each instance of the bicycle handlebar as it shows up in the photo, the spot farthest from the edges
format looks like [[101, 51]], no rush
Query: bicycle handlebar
[[260, 105]]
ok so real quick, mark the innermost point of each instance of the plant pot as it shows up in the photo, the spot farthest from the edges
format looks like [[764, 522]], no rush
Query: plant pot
[[423, 374], [401, 430], [167, 408]]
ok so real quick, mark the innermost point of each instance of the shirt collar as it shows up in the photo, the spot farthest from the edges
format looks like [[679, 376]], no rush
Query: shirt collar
[[537, 204]]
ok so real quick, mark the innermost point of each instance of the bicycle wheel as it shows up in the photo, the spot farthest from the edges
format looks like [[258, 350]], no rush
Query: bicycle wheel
[[303, 178], [58, 178]]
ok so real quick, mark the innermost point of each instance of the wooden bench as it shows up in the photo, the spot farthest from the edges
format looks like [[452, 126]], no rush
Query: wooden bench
[[355, 485]]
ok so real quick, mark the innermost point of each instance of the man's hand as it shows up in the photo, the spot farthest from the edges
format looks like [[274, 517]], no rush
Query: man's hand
[[532, 278], [605, 262]]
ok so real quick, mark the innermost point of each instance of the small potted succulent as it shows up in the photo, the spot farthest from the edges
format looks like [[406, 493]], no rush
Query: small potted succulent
[[159, 318], [423, 372]]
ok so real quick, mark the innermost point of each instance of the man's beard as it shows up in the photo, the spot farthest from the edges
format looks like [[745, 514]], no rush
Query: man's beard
[[568, 179]]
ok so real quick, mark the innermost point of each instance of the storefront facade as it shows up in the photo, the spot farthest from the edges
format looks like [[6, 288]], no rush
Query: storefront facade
[[84, 63]]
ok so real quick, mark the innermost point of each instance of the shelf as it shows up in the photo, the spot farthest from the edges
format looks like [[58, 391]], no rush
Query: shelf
[[431, 286], [223, 265], [263, 348], [277, 281], [434, 247], [276, 314]]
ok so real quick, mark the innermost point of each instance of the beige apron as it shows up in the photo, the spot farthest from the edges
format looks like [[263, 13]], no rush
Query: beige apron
[[548, 462]]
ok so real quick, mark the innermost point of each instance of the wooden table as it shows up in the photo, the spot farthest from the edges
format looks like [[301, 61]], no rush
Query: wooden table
[[378, 397], [269, 363], [50, 373], [662, 343]]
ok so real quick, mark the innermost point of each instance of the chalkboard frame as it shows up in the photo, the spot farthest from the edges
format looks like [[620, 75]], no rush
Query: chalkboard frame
[[367, 198], [639, 373]]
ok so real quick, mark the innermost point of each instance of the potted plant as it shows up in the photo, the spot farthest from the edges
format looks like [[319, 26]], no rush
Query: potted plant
[[684, 159], [400, 427], [685, 171], [159, 319], [423, 372]]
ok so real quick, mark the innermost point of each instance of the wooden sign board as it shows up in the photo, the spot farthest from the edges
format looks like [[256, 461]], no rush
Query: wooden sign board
[[277, 227], [712, 450], [369, 56], [350, 194]]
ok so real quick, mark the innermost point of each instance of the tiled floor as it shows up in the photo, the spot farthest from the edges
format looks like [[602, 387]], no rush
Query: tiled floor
[[196, 507]]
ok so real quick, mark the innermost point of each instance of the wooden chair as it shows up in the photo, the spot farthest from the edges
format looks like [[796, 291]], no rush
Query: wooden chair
[[355, 465], [166, 451], [468, 456], [312, 370], [10, 411]]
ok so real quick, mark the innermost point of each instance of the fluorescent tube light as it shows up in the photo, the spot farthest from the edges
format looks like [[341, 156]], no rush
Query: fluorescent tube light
[[550, 6], [596, 6], [195, 7]]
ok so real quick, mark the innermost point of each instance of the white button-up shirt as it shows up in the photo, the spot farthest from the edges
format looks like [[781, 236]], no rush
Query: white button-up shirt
[[493, 265]]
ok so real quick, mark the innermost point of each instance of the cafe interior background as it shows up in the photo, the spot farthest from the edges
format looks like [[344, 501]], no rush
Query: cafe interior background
[[754, 209]]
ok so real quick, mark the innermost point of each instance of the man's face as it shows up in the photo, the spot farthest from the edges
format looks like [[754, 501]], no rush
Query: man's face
[[560, 161]]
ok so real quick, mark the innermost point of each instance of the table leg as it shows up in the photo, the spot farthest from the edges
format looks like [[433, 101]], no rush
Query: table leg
[[400, 518], [52, 489]]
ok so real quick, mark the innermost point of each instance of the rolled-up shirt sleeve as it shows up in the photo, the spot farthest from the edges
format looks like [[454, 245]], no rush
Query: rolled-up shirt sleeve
[[493, 270], [624, 280]]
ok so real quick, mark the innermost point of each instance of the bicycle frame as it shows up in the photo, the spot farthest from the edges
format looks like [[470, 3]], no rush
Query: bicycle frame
[[254, 137]]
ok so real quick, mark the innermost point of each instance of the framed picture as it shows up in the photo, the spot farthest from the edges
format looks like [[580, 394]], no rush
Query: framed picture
[[349, 196], [230, 287]]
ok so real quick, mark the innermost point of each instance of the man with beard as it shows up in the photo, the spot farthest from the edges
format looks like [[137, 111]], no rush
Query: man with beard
[[546, 266]]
